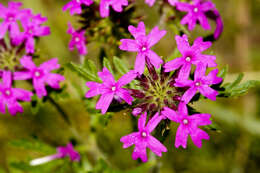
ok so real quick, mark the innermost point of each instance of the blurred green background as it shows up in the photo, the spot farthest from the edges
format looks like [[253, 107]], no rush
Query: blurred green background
[[235, 148]]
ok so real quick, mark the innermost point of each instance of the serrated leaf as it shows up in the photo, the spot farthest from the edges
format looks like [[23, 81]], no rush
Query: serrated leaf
[[107, 64], [120, 66], [235, 83], [243, 88], [89, 64]]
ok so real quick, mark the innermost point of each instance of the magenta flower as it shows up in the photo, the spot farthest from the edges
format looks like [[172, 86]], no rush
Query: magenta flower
[[143, 138], [201, 83], [75, 6], [32, 28], [10, 15], [142, 44], [40, 75], [110, 89], [190, 55], [188, 125], [214, 15], [196, 12], [9, 96], [173, 2], [117, 5], [151, 2], [62, 152], [78, 40]]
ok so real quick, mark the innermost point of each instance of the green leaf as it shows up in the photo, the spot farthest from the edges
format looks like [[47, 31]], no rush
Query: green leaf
[[83, 72], [120, 66], [107, 64], [229, 86], [89, 64], [243, 88], [223, 72]]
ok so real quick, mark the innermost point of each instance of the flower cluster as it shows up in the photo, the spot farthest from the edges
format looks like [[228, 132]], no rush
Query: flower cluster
[[62, 152], [16, 54], [164, 93]]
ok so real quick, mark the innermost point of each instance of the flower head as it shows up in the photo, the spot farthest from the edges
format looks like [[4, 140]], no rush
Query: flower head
[[188, 125], [40, 75], [196, 12], [143, 138], [75, 6], [78, 40], [190, 55], [62, 152], [142, 44], [117, 5], [9, 96], [32, 28], [200, 83], [110, 89]]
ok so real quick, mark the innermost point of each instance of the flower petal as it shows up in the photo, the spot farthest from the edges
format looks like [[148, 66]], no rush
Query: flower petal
[[52, 64], [104, 102], [156, 146], [7, 79], [142, 121], [181, 136], [125, 95], [187, 96], [127, 78], [173, 64], [155, 35], [155, 59], [152, 123], [130, 139], [200, 119], [208, 92], [129, 45], [140, 63], [170, 114], [94, 89], [106, 77], [27, 62], [138, 31], [197, 135], [182, 43]]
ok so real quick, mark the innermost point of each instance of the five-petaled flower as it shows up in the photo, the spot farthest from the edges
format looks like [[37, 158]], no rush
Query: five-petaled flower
[[142, 44], [188, 125], [143, 138], [40, 75], [110, 89], [9, 96], [75, 6], [200, 83], [117, 5], [62, 152], [196, 12], [78, 40], [190, 55]]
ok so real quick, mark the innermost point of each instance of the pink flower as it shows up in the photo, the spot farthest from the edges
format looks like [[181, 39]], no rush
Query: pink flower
[[62, 152], [214, 15], [142, 44], [40, 75], [151, 2], [9, 96], [200, 83], [110, 89], [188, 125], [10, 16], [173, 2], [117, 5], [75, 6], [78, 40], [190, 55], [196, 12], [32, 28], [143, 138]]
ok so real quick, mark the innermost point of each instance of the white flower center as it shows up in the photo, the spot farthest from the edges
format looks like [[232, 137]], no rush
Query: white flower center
[[144, 134], [185, 121], [77, 39], [107, 7], [197, 83], [196, 10], [113, 88], [37, 74], [188, 59], [143, 48], [78, 1]]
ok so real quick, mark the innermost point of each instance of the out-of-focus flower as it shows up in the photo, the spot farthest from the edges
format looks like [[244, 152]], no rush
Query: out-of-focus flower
[[40, 75], [117, 5], [143, 138], [142, 44], [188, 125], [78, 40], [200, 83], [151, 2], [214, 15], [110, 89], [196, 12], [75, 6], [190, 55], [62, 152], [9, 96]]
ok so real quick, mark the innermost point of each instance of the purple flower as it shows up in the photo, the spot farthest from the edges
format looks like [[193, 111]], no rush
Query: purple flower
[[117, 5], [62, 152], [151, 2], [190, 55], [40, 75], [32, 28], [75, 6], [110, 89], [142, 44], [196, 12], [78, 40], [173, 2], [214, 15], [201, 83], [9, 96], [188, 125], [143, 138], [10, 16]]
